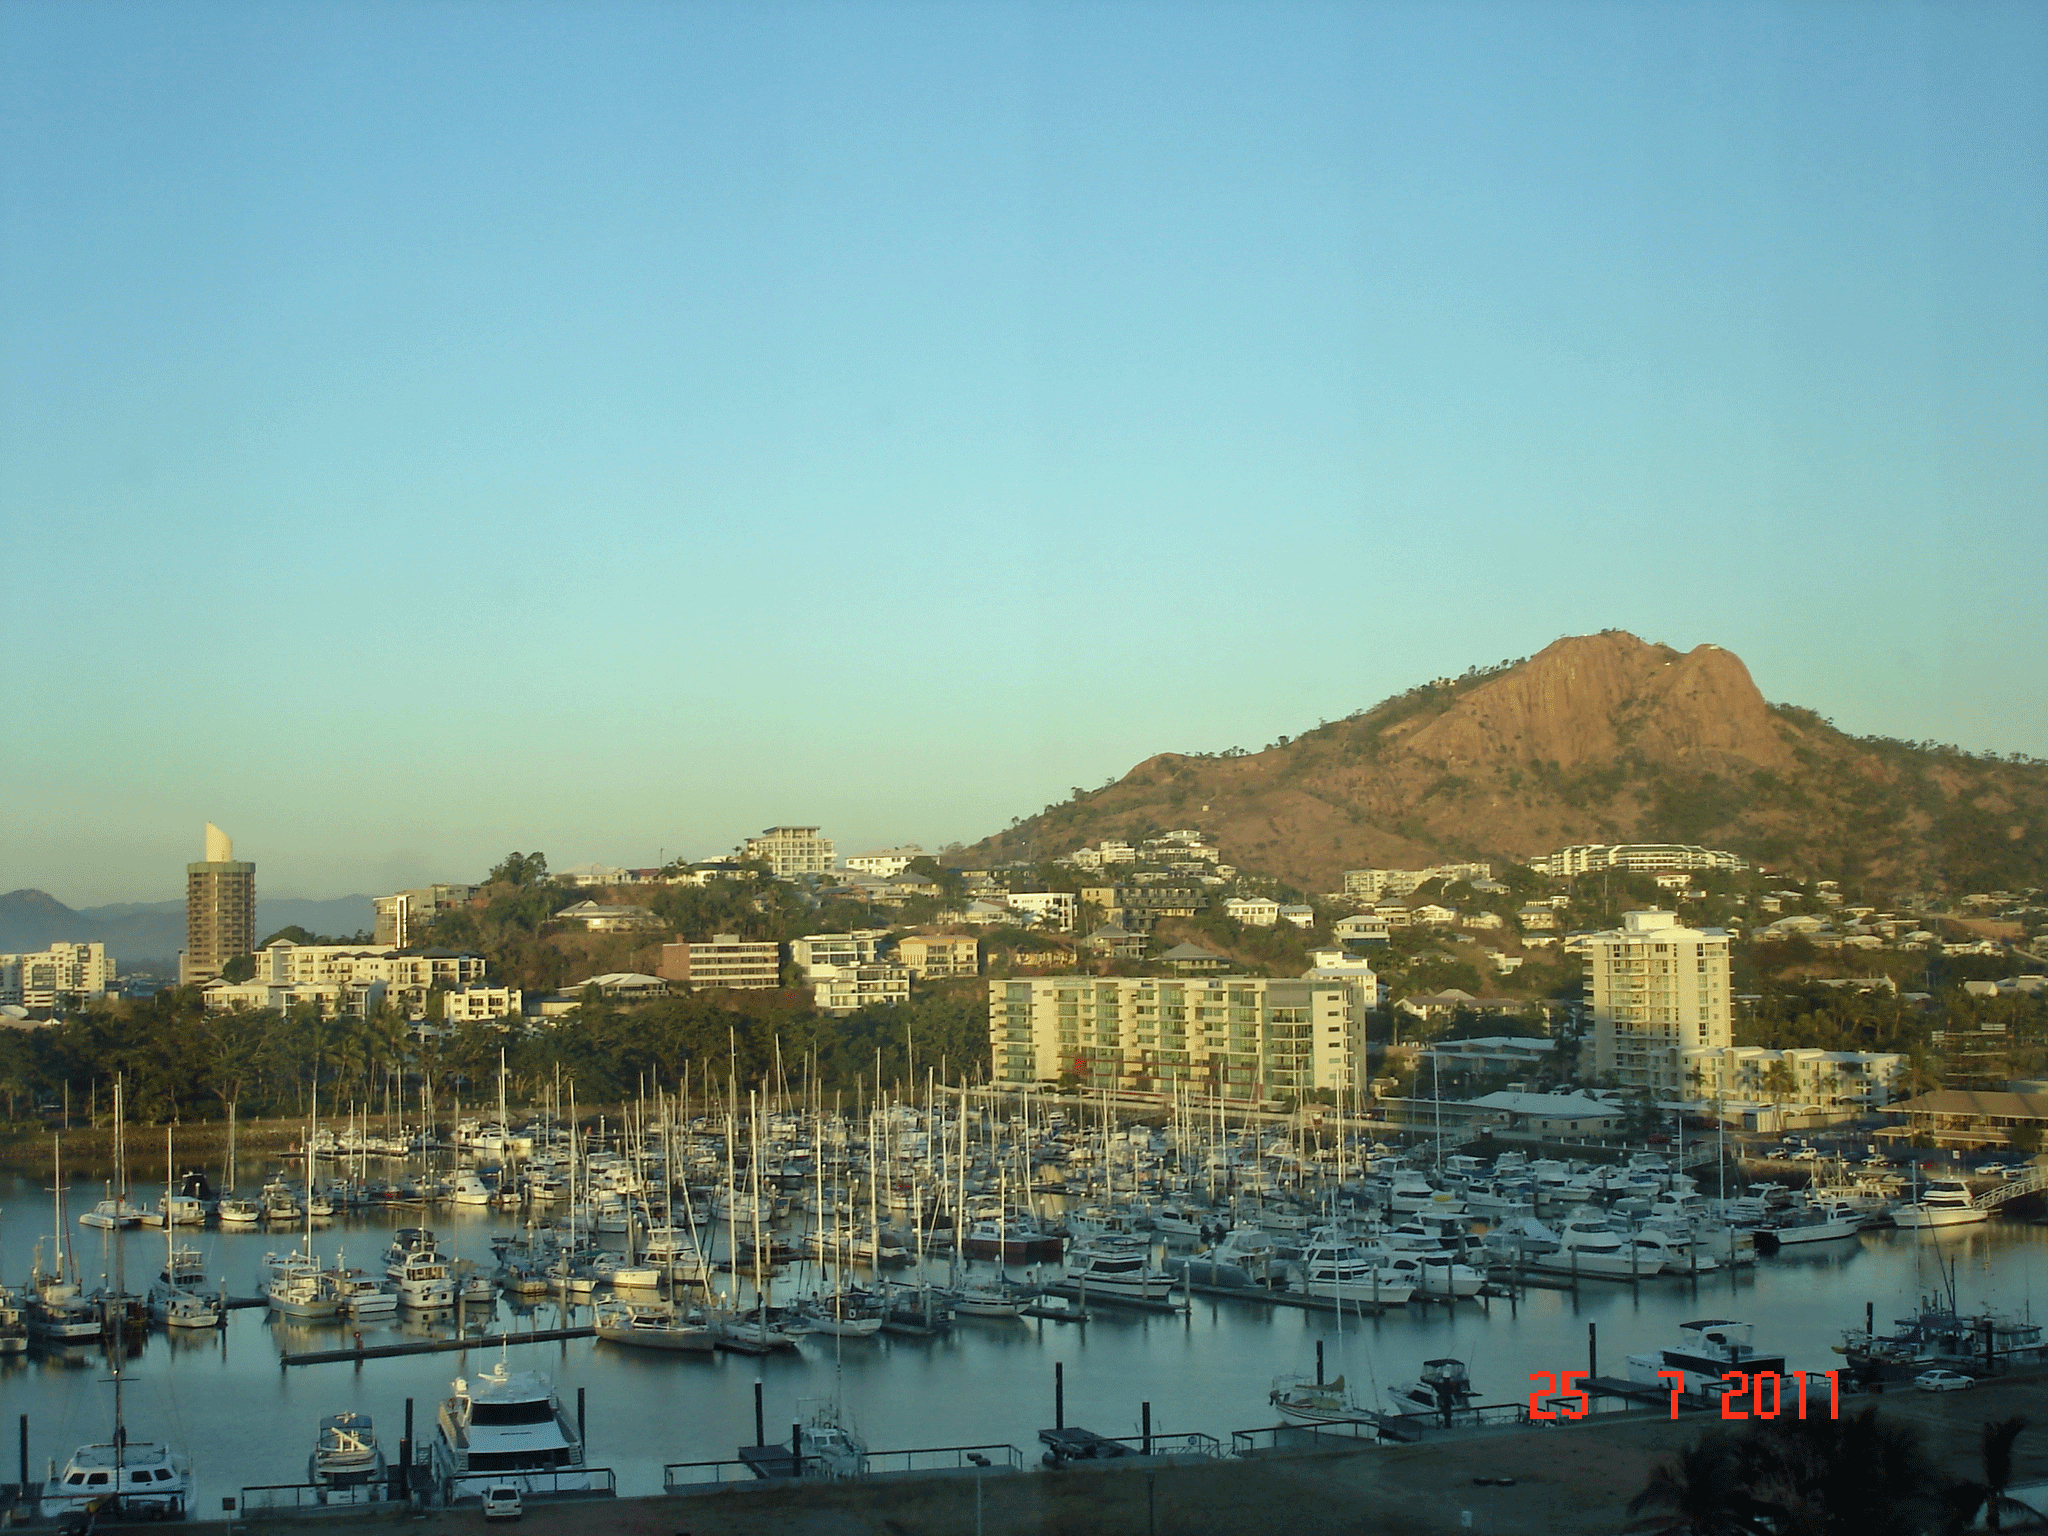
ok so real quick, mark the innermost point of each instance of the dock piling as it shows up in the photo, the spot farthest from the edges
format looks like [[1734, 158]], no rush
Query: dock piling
[[1059, 1394], [760, 1424]]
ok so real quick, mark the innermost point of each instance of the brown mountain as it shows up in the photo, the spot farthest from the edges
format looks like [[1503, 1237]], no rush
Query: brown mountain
[[1600, 738]]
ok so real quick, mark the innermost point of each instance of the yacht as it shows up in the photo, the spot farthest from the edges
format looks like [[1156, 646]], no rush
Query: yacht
[[847, 1313], [116, 1213], [57, 1307], [421, 1274], [829, 1448], [364, 1294], [1334, 1266], [503, 1428], [237, 1211], [1943, 1203], [1820, 1222], [1244, 1258], [655, 1325], [13, 1323], [346, 1453], [1670, 1248], [281, 1204], [1428, 1274], [973, 1300], [1302, 1401], [1706, 1351], [1587, 1245], [178, 1298], [1118, 1271], [303, 1289], [1016, 1239], [119, 1478]]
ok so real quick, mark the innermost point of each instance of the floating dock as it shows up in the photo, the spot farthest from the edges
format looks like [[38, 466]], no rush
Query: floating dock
[[431, 1346]]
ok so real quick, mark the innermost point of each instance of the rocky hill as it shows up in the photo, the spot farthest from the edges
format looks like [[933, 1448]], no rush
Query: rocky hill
[[1600, 738]]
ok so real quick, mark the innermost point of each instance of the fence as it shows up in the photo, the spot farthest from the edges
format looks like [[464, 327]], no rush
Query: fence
[[700, 1476], [567, 1483], [1192, 1443], [313, 1498], [1244, 1442]]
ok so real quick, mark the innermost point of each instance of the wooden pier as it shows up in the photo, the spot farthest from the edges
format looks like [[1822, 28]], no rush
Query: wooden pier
[[430, 1346]]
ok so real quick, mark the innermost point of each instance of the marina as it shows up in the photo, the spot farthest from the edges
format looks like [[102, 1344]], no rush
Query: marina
[[922, 1347]]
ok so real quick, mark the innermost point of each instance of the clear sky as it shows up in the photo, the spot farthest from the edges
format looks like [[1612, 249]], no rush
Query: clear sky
[[433, 429]]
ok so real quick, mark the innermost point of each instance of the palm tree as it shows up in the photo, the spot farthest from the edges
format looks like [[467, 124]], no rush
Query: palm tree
[[1697, 1495], [1966, 1500]]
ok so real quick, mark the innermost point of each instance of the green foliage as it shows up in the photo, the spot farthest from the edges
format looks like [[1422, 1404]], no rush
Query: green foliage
[[238, 968], [519, 869]]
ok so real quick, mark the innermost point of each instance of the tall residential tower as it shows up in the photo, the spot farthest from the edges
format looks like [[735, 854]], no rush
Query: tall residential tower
[[220, 910], [1657, 990]]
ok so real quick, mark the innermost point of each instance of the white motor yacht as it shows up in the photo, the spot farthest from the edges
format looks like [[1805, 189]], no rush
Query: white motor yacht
[[469, 1188], [1818, 1222], [414, 1265], [1587, 1245], [1428, 1273], [1334, 1266], [1118, 1271], [1943, 1203], [143, 1478], [114, 1214], [1443, 1390], [506, 1427], [364, 1294]]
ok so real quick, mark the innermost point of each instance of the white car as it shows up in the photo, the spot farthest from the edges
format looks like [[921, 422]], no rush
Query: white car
[[1942, 1381], [1986, 1170], [502, 1502], [1806, 1155]]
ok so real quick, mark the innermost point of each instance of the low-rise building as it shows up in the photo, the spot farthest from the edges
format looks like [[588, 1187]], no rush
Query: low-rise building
[[327, 999], [886, 861], [1956, 1117], [1431, 915], [1361, 928], [603, 917], [816, 952], [1300, 916], [1801, 1078], [1116, 942], [1548, 1114], [1252, 911], [1637, 858], [408, 975], [45, 977], [621, 986], [933, 955], [1515, 1054], [481, 1004], [859, 986], [1375, 883], [723, 960]]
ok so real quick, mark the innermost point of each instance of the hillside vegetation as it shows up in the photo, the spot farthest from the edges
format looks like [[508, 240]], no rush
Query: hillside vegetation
[[1599, 738]]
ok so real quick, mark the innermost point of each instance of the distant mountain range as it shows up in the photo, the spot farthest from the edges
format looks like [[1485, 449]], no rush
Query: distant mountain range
[[149, 934], [1599, 738]]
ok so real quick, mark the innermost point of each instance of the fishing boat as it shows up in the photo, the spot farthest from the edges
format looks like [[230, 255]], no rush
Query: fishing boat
[[346, 1453], [238, 1211], [364, 1294], [506, 1428], [414, 1264], [1821, 1222], [1706, 1352], [656, 1325], [1443, 1391]]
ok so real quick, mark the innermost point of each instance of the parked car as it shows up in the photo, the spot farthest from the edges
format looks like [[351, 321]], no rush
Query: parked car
[[1806, 1155], [1990, 1170], [502, 1502], [1942, 1381]]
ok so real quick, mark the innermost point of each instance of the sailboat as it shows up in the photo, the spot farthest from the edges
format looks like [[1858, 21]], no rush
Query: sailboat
[[57, 1307], [179, 1299], [120, 1477], [297, 1286]]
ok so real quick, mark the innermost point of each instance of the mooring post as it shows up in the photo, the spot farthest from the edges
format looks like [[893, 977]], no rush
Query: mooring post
[[401, 1475], [1319, 1362], [1145, 1417], [582, 1438], [796, 1447], [1593, 1349], [760, 1424], [1059, 1394], [25, 1495]]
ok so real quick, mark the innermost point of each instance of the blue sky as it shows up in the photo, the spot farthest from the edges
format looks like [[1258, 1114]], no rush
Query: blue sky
[[432, 430]]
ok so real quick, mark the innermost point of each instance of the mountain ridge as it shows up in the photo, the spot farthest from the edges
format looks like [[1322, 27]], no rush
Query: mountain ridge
[[145, 932], [1596, 738]]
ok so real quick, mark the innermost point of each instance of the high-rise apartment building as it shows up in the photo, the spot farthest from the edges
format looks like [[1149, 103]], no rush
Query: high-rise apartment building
[[220, 910], [791, 851], [1234, 1037], [1657, 990]]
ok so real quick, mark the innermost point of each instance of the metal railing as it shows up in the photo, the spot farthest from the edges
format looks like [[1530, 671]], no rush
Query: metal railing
[[1244, 1442], [692, 1476], [565, 1483], [1191, 1443], [944, 1458], [314, 1498]]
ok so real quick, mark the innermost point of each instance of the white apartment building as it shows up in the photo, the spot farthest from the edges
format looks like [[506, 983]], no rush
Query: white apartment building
[[1367, 992], [1801, 1078], [886, 862], [927, 955], [39, 979], [481, 1004], [328, 999], [819, 952], [409, 975], [1252, 911], [1053, 909], [790, 851], [856, 986], [1246, 1038], [1636, 858], [1656, 990]]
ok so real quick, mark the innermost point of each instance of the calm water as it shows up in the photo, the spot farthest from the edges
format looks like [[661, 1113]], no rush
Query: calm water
[[244, 1420]]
